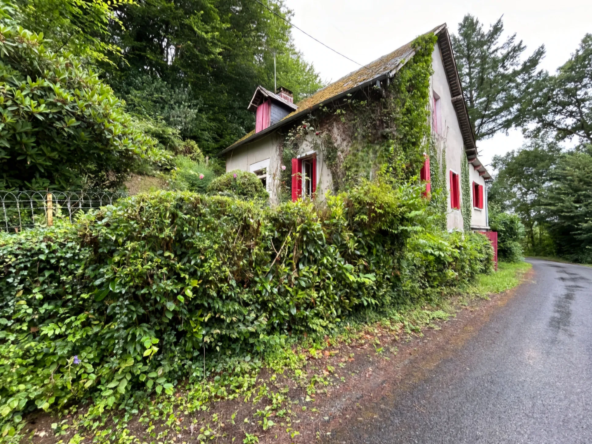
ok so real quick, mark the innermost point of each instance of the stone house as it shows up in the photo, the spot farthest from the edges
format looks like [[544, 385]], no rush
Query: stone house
[[260, 151]]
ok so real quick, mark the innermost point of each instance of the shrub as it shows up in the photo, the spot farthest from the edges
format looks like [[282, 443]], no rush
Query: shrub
[[129, 298], [60, 122], [190, 175], [510, 232], [240, 184]]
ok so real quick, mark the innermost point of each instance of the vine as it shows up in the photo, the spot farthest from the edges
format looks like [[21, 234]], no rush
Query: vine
[[383, 126], [439, 197], [466, 204]]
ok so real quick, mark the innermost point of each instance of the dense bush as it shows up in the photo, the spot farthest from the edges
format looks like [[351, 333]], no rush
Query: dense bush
[[130, 297], [60, 123], [189, 175], [240, 184], [510, 234]]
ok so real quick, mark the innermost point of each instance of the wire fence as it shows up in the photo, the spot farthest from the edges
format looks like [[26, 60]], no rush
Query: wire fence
[[26, 209]]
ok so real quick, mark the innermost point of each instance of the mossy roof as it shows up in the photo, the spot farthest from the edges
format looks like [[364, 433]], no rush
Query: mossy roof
[[385, 65]]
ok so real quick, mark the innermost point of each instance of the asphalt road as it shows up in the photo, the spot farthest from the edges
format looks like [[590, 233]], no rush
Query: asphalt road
[[525, 377]]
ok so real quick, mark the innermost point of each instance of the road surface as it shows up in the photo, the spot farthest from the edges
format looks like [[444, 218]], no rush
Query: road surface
[[525, 377]]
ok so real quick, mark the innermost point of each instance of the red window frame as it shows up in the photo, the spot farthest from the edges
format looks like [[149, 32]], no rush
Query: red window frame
[[454, 190], [478, 201], [426, 176], [297, 173]]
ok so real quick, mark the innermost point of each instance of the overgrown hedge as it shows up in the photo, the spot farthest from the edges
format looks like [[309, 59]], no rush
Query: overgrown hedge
[[130, 296], [241, 184]]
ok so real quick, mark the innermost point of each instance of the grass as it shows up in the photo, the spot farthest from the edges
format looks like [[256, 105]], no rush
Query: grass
[[265, 396], [507, 277]]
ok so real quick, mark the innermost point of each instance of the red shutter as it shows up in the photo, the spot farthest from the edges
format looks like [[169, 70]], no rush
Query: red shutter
[[296, 179], [475, 195], [481, 201], [457, 178], [425, 176], [452, 191], [263, 118], [314, 174]]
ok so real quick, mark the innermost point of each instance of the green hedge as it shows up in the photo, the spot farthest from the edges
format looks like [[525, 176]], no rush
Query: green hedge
[[511, 232], [241, 184], [129, 297]]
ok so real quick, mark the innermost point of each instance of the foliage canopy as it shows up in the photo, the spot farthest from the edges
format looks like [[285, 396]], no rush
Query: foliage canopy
[[561, 104], [494, 77], [61, 125], [204, 59]]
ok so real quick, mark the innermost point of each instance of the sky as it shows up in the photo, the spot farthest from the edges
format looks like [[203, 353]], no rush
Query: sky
[[365, 30]]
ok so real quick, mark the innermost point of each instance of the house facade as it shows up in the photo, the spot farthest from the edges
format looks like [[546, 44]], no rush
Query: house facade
[[261, 151]]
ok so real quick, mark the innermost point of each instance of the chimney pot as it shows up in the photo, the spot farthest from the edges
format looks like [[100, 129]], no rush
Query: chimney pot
[[285, 94]]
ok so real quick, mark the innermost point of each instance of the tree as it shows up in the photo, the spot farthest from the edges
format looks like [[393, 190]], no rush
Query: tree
[[521, 184], [211, 54], [495, 80], [77, 27], [568, 205], [60, 125], [562, 103]]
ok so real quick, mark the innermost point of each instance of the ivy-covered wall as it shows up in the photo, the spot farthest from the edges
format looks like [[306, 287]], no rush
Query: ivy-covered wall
[[382, 128]]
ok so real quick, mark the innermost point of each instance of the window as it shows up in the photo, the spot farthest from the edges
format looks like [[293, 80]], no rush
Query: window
[[260, 170], [454, 191], [477, 195], [425, 175], [435, 113], [304, 177]]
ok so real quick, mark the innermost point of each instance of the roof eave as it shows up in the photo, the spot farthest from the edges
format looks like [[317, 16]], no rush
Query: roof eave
[[302, 113]]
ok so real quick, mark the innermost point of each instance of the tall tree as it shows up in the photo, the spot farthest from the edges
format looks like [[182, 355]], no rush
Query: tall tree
[[568, 205], [494, 77], [211, 54], [562, 103], [522, 180], [74, 26]]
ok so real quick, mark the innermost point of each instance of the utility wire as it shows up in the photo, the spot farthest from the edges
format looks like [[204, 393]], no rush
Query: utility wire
[[307, 34]]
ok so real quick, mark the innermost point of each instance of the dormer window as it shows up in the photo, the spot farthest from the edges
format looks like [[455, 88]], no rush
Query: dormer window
[[270, 108]]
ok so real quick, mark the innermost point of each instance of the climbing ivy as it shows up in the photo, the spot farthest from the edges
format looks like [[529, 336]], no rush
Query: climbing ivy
[[383, 127], [466, 205], [439, 196]]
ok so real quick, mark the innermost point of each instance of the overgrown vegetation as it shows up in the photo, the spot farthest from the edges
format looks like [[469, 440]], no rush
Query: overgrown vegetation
[[61, 125], [241, 184], [125, 303], [510, 232], [387, 126], [190, 175]]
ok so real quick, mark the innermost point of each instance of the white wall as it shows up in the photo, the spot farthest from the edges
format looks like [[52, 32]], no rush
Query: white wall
[[259, 150], [479, 217], [449, 131]]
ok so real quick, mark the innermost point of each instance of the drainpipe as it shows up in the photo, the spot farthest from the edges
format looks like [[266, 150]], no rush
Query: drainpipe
[[486, 208]]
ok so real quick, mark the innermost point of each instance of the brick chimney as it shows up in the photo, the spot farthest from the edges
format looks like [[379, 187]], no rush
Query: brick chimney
[[285, 94]]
